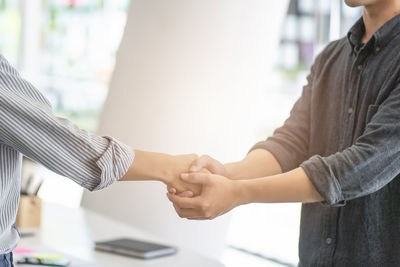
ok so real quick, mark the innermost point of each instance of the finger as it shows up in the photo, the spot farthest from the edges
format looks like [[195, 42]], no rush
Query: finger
[[197, 218], [190, 214], [183, 202], [187, 213], [185, 194], [171, 190], [202, 162], [209, 163], [197, 165], [204, 170], [201, 216], [196, 178]]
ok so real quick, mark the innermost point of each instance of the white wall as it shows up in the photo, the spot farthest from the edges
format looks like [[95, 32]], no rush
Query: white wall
[[187, 78]]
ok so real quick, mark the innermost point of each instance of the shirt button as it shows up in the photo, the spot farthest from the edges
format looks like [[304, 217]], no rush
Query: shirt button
[[377, 49], [350, 110], [328, 241], [359, 67]]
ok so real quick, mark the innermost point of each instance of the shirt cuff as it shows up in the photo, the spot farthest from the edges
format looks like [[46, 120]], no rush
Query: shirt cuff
[[324, 182], [286, 160], [114, 163]]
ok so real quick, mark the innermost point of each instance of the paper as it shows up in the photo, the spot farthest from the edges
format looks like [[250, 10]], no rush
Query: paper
[[44, 252], [23, 250]]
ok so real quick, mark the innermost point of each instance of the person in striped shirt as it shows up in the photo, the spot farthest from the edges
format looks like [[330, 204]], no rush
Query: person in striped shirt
[[29, 127]]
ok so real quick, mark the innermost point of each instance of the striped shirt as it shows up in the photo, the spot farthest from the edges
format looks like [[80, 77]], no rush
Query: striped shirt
[[28, 127]]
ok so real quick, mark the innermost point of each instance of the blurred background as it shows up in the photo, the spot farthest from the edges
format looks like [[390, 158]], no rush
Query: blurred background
[[69, 49]]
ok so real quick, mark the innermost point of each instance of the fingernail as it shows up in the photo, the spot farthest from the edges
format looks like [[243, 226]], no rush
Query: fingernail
[[184, 175], [172, 190]]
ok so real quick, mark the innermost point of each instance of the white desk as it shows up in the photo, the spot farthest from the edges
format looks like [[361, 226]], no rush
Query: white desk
[[73, 231]]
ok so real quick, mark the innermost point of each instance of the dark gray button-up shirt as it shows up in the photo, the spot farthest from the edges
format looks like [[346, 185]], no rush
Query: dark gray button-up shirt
[[344, 131]]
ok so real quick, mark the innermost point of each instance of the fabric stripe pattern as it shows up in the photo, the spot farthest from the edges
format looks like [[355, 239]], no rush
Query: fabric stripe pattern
[[29, 127]]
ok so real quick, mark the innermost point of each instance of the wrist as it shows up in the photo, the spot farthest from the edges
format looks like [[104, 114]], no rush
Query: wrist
[[166, 171], [148, 166], [241, 192], [228, 170], [173, 166], [233, 170]]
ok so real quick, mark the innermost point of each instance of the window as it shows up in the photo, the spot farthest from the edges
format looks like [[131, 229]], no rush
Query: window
[[10, 29], [66, 48]]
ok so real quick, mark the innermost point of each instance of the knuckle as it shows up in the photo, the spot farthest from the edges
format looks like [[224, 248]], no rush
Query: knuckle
[[203, 158]]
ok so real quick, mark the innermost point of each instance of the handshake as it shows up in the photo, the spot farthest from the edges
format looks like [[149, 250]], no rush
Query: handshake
[[200, 188]]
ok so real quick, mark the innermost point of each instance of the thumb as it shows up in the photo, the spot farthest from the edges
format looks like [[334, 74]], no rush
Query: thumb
[[197, 165], [204, 170], [196, 178], [186, 194], [203, 162]]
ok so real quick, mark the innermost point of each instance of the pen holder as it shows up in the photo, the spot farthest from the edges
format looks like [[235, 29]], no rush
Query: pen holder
[[29, 213]]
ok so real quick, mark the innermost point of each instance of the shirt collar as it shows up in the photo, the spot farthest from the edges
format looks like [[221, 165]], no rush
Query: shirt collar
[[356, 33], [380, 38]]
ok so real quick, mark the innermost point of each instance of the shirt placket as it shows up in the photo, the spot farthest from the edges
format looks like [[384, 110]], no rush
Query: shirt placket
[[329, 237], [349, 112], [352, 99]]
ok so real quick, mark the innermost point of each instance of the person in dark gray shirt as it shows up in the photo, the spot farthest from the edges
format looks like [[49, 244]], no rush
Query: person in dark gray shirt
[[338, 152]]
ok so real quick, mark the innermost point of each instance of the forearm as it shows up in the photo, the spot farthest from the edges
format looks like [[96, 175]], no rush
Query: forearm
[[293, 186], [258, 163], [161, 167], [149, 166], [30, 127], [220, 194]]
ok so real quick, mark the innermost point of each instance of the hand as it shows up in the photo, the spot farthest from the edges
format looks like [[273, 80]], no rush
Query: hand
[[204, 164], [161, 167], [218, 196], [178, 165], [209, 163]]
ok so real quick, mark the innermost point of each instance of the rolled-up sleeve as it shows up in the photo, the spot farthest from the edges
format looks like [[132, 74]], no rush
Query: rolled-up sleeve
[[368, 165], [29, 126], [289, 143]]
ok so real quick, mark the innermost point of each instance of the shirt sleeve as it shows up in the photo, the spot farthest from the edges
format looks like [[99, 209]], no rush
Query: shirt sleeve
[[289, 143], [368, 165], [29, 126]]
